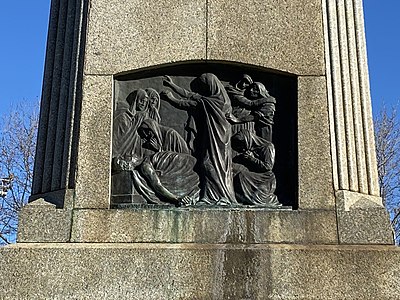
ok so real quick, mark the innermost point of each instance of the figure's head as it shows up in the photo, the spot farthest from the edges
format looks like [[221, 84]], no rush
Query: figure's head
[[154, 98], [207, 85], [254, 91], [244, 82], [137, 100], [149, 131], [257, 90], [241, 141]]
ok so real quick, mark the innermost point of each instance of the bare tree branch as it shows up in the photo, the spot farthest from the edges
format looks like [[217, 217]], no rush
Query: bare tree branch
[[387, 141], [17, 148]]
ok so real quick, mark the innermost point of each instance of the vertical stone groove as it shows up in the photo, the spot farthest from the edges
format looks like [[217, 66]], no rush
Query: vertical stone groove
[[338, 110], [334, 153], [351, 124], [63, 106], [355, 96], [347, 100], [45, 99], [369, 141], [55, 97], [70, 114], [71, 152]]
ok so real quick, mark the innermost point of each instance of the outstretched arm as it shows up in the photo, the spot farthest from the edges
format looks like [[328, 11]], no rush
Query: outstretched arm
[[151, 175], [180, 103], [250, 104], [167, 81]]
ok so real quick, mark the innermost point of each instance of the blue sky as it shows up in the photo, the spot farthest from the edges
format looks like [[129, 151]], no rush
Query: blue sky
[[382, 22], [23, 31]]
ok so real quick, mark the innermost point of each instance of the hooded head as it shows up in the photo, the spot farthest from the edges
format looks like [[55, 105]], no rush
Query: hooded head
[[138, 100], [154, 104], [149, 129], [244, 82]]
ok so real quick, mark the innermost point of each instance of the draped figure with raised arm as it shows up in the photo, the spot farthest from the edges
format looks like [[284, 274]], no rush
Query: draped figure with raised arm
[[215, 159]]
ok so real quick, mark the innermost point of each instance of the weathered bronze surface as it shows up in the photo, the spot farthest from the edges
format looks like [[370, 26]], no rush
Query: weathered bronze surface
[[186, 140]]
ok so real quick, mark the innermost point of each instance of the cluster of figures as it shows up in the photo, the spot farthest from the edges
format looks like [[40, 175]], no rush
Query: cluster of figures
[[226, 157]]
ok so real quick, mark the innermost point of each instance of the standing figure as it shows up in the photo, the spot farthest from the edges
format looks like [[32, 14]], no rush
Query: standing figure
[[215, 157]]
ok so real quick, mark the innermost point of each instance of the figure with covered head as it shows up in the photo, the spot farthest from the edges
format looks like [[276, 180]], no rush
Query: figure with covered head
[[260, 108], [254, 179], [210, 99], [235, 92], [154, 104], [128, 116]]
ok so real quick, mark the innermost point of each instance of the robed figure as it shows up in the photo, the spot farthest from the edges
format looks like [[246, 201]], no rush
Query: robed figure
[[215, 159]]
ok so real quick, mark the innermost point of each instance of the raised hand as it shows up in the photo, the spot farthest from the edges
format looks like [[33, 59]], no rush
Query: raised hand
[[167, 95], [167, 81]]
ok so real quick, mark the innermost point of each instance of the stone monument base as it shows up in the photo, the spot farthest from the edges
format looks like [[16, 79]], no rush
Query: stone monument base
[[198, 271]]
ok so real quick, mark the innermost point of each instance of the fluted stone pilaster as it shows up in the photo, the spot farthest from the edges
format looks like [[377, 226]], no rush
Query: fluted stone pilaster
[[352, 137], [54, 163]]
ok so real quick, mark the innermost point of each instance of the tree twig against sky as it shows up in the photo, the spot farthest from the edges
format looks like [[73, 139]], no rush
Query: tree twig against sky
[[18, 131], [387, 140]]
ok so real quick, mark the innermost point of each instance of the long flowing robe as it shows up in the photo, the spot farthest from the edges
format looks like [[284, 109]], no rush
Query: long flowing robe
[[217, 158], [254, 179], [176, 174]]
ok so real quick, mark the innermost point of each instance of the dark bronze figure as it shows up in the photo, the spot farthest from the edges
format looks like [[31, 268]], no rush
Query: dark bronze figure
[[155, 164]]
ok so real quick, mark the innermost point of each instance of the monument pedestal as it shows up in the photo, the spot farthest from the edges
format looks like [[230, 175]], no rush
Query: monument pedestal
[[198, 271], [336, 242]]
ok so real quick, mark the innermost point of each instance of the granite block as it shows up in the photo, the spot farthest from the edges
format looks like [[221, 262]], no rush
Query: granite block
[[314, 155], [128, 35], [362, 219], [94, 149], [40, 221], [61, 198], [281, 35], [190, 271], [224, 226]]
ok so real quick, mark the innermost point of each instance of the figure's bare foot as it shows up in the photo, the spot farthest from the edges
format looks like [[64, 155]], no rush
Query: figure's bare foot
[[185, 200]]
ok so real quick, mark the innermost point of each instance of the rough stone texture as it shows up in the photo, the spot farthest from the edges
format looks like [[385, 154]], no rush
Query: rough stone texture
[[127, 35], [314, 156], [369, 137], [94, 150], [186, 271], [353, 145], [362, 219], [61, 198], [282, 35], [40, 221], [204, 226], [55, 163]]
